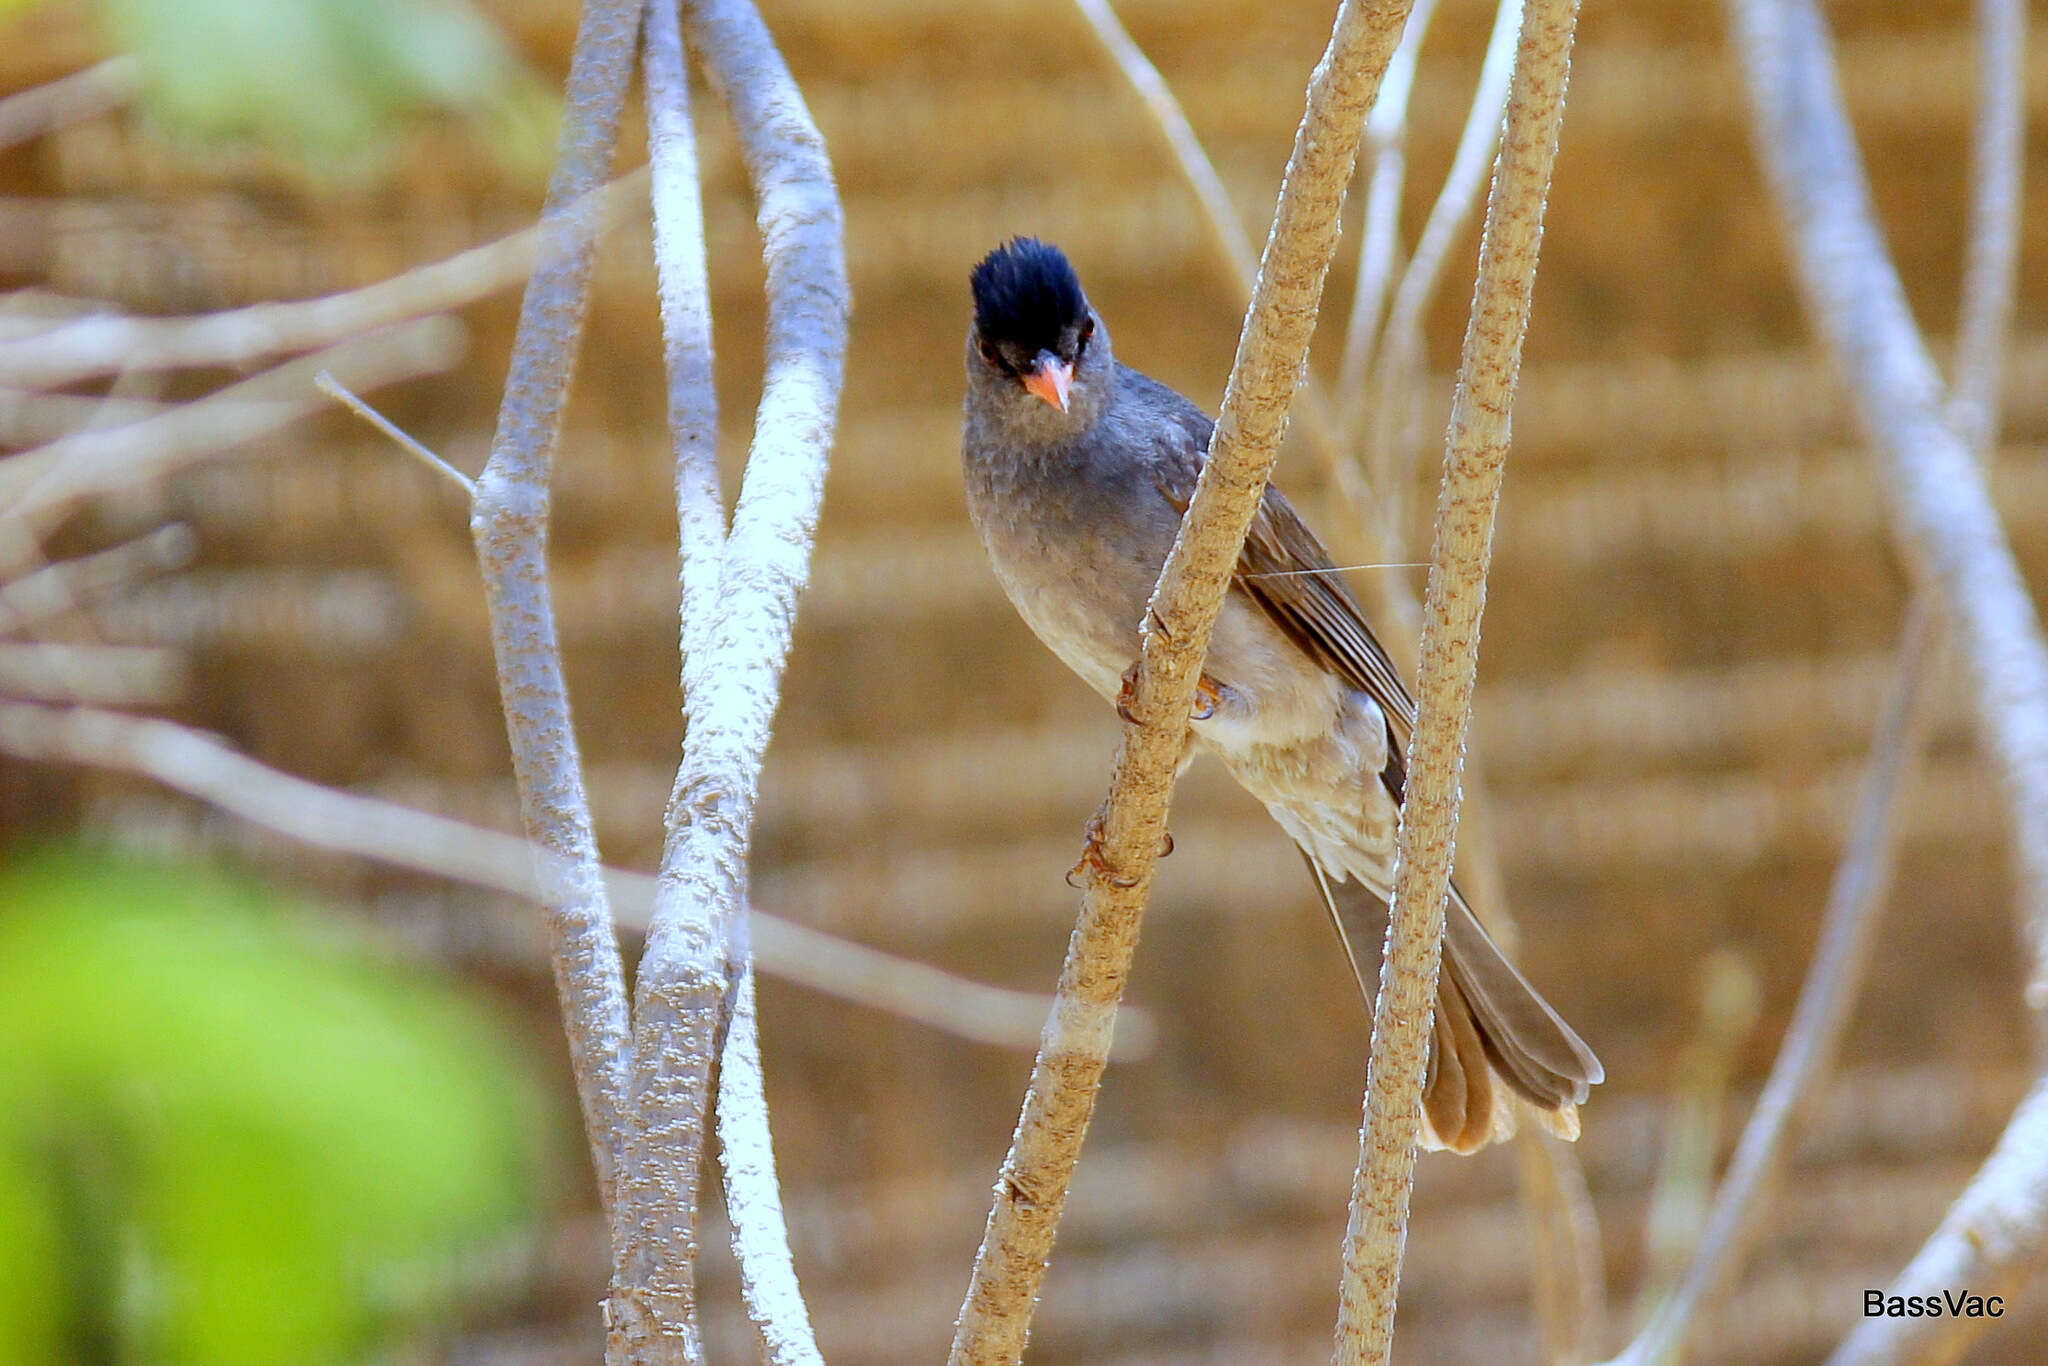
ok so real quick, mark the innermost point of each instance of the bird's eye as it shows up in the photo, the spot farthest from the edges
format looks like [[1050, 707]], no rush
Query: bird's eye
[[988, 353], [1087, 331]]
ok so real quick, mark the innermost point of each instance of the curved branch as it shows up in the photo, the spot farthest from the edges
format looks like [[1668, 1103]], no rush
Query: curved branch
[[735, 656], [509, 522], [1475, 454], [1271, 359]]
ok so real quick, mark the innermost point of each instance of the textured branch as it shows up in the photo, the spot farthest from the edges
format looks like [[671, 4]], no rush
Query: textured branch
[[1271, 359], [736, 640], [1475, 454], [65, 351], [509, 521]]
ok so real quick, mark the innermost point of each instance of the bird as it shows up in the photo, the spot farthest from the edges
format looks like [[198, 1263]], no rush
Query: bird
[[1077, 470]]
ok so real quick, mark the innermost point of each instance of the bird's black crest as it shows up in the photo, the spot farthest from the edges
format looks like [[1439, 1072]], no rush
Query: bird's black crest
[[1026, 293]]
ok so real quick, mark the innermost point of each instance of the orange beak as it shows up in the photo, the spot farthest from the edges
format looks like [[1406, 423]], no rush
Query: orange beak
[[1050, 379]]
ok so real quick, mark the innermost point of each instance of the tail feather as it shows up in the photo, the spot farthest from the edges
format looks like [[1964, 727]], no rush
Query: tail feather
[[1489, 1022]]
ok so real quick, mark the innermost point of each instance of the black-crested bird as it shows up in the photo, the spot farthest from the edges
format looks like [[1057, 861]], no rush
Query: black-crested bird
[[1078, 470]]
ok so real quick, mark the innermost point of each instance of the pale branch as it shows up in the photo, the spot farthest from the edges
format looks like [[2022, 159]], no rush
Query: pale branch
[[1988, 1243], [98, 89], [1989, 278], [1569, 1280], [1219, 216], [753, 1197], [509, 522], [1475, 454], [663, 1249], [108, 675], [1848, 932], [1991, 265], [1386, 140], [327, 384], [1997, 1231], [55, 589], [43, 483], [1940, 503], [1271, 361], [65, 350], [207, 769], [733, 678]]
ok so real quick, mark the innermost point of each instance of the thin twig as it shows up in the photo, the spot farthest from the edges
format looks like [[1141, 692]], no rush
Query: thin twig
[[509, 522], [1861, 879], [1397, 387], [76, 349], [206, 768], [107, 675], [1475, 454], [733, 672], [1997, 1231], [1939, 500], [67, 585], [1271, 358], [1848, 932], [49, 480], [1386, 139], [327, 384], [99, 89]]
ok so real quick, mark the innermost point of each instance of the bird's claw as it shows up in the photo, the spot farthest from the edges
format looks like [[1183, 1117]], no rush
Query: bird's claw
[[1208, 696], [1093, 865]]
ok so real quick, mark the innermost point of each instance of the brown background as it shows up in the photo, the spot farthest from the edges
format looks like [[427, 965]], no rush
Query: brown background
[[1690, 621]]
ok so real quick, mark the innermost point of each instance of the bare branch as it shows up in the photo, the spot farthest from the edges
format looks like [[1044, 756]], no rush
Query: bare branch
[[70, 350], [733, 668], [327, 384], [67, 585], [1997, 158], [753, 1198], [1271, 359], [51, 479], [1226, 228], [1386, 139], [99, 89], [1997, 1231], [110, 675], [509, 521], [1941, 506], [1397, 389], [204, 767], [1475, 454]]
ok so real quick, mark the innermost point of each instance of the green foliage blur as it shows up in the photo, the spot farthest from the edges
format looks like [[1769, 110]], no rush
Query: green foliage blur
[[230, 1137], [333, 82]]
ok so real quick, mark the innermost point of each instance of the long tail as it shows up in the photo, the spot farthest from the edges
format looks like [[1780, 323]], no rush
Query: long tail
[[1489, 1022]]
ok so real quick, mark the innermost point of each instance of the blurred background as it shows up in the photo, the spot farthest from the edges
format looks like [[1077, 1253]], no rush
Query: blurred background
[[1692, 616]]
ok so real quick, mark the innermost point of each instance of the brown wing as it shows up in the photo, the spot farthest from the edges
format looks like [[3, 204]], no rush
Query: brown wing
[[1283, 567], [1285, 570]]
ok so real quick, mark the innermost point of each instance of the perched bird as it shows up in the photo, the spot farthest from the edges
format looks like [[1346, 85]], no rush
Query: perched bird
[[1078, 470]]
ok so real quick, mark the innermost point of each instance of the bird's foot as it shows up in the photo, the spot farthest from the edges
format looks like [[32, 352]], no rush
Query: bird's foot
[[1092, 864], [1208, 696]]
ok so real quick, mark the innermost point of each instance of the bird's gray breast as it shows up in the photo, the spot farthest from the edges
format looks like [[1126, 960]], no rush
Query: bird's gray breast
[[1076, 537]]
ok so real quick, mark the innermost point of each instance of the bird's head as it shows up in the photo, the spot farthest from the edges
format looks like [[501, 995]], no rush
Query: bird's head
[[1035, 340]]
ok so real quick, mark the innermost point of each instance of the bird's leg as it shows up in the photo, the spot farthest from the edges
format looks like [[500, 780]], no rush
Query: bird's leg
[[1092, 862]]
